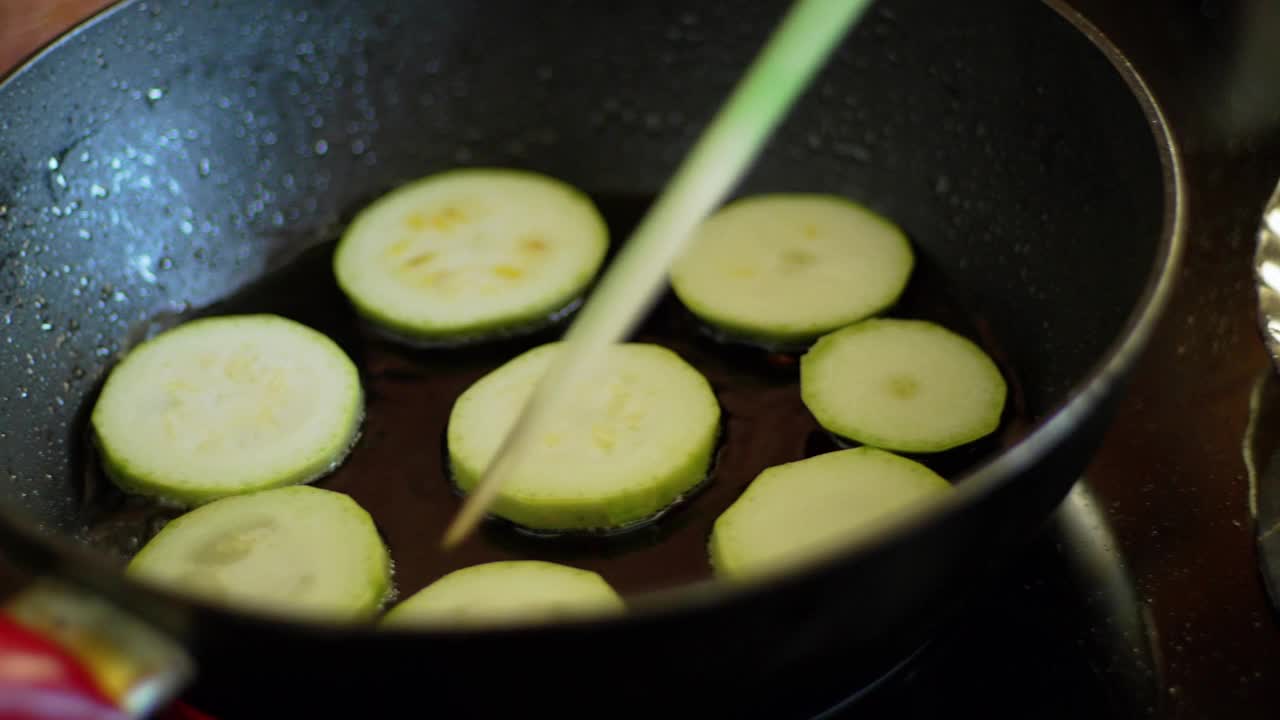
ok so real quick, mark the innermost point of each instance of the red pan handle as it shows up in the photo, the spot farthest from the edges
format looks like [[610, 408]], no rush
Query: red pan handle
[[39, 679], [68, 654]]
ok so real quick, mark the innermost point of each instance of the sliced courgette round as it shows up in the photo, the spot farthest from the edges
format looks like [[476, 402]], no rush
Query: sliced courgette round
[[782, 269], [471, 254], [637, 435], [300, 551], [226, 405], [506, 592], [801, 512], [904, 385]]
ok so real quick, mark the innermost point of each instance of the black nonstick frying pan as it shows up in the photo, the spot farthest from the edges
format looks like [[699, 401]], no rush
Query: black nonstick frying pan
[[181, 157]]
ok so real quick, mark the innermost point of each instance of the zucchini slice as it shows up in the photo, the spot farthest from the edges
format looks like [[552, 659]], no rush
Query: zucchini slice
[[904, 385], [225, 405], [638, 436], [506, 592], [799, 512], [300, 551], [782, 269], [471, 254]]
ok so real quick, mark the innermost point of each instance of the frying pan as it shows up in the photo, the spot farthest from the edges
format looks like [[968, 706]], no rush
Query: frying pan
[[170, 154]]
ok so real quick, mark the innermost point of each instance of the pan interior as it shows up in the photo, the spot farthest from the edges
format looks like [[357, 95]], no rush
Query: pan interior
[[165, 160]]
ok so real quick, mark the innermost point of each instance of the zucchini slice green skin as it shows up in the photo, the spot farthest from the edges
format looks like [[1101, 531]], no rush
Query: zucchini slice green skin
[[910, 386], [470, 255], [299, 551], [640, 435], [224, 405], [803, 511], [780, 270], [507, 592]]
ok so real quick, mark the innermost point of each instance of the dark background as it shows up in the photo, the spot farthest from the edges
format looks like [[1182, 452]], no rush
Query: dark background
[[1171, 478]]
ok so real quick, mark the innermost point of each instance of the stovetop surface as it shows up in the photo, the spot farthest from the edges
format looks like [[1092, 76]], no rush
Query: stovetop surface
[[1065, 635], [1143, 598], [1172, 475]]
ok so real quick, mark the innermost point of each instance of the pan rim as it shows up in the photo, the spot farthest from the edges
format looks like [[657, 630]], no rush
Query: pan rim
[[163, 606]]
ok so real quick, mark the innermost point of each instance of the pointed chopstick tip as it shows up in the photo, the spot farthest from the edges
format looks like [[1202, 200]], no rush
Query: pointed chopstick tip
[[458, 531]]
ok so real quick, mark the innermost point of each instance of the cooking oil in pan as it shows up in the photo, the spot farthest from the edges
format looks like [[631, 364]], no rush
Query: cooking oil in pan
[[397, 470]]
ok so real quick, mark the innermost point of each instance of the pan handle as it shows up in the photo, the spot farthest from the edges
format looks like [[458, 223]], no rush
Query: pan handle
[[66, 653]]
